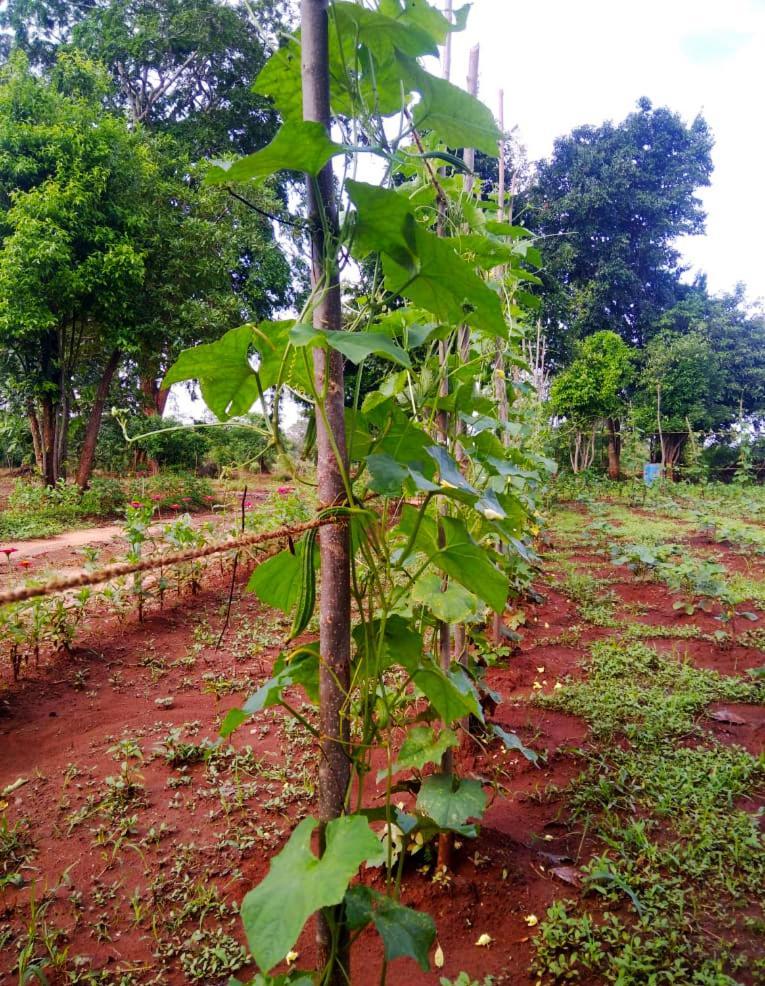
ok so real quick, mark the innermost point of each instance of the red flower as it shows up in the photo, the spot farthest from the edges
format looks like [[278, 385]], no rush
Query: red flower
[[175, 506], [208, 498], [284, 489], [135, 504], [9, 551], [156, 496], [248, 504], [25, 563]]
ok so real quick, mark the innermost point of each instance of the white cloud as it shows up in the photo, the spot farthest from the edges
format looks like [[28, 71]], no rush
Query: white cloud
[[563, 63]]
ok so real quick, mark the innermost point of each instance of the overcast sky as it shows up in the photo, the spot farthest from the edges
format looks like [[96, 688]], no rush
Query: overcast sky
[[563, 63]]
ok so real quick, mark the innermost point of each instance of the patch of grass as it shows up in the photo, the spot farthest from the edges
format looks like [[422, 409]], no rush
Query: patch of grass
[[678, 851], [634, 690], [647, 631], [16, 847], [595, 603]]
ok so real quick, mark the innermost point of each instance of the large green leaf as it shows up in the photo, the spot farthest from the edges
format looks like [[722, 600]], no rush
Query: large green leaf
[[406, 933], [449, 472], [418, 13], [453, 605], [356, 346], [470, 565], [386, 475], [460, 557], [280, 80], [276, 581], [450, 802], [298, 884], [299, 667], [385, 223], [227, 381], [446, 285], [381, 34], [451, 693], [300, 145], [421, 745], [281, 362], [456, 117]]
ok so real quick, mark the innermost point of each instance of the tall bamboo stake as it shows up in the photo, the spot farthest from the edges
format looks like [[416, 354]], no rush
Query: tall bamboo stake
[[500, 380], [446, 839], [334, 605], [463, 333]]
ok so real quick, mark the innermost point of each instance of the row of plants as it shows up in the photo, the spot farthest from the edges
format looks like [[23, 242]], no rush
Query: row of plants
[[49, 624], [427, 469]]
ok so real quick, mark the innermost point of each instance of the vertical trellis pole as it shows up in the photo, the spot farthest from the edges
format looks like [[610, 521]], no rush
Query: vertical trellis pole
[[500, 381], [334, 606]]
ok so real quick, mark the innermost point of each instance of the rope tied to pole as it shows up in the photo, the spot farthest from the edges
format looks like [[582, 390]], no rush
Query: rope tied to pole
[[120, 569]]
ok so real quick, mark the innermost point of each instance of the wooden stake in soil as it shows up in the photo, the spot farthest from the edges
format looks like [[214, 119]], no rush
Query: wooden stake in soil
[[446, 839], [335, 602], [500, 381]]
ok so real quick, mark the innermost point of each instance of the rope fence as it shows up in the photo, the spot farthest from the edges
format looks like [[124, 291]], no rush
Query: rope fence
[[78, 580]]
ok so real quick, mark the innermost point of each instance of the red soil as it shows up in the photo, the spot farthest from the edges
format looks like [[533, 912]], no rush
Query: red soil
[[74, 710]]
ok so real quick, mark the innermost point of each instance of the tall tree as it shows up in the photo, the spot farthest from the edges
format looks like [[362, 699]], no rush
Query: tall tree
[[72, 210], [112, 258], [610, 204], [183, 66]]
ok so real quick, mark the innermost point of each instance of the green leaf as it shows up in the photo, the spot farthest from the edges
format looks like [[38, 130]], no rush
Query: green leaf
[[280, 80], [227, 381], [385, 223], [421, 14], [451, 693], [446, 285], [299, 146], [456, 117], [399, 644], [449, 471], [455, 605], [512, 742], [471, 565], [381, 34], [406, 933], [281, 362], [299, 667], [386, 475], [356, 346], [233, 719], [306, 335], [422, 745], [298, 884], [450, 802], [276, 581]]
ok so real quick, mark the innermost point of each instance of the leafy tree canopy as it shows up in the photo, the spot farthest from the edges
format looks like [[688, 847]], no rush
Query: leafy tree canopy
[[682, 374], [183, 66], [610, 204], [594, 385]]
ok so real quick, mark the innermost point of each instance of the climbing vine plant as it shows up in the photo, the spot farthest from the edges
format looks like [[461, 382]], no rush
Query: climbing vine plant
[[437, 492]]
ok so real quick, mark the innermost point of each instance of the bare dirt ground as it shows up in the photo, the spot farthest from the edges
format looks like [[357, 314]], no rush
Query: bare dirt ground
[[133, 874]]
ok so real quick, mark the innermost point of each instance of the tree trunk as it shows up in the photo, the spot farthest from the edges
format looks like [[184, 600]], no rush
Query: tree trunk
[[155, 399], [34, 427], [88, 453], [48, 441], [614, 449], [335, 601], [673, 445]]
